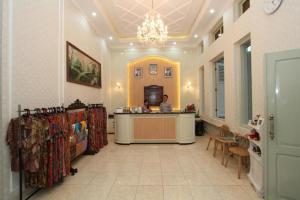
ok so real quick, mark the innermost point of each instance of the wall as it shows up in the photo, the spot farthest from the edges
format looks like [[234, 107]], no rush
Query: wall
[[170, 84], [33, 65], [269, 33], [30, 71], [79, 32], [188, 67]]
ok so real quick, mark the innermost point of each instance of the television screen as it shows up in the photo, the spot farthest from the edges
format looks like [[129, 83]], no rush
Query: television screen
[[154, 94]]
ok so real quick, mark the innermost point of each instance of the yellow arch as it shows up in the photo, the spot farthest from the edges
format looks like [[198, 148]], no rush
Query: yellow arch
[[145, 58]]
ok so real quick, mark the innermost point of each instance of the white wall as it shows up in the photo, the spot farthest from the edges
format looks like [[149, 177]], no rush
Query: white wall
[[269, 33], [33, 65], [186, 58], [79, 32]]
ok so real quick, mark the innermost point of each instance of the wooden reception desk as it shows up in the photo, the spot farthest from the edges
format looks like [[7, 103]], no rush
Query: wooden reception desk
[[175, 127]]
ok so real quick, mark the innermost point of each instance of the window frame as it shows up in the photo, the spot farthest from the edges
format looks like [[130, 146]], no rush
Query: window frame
[[246, 110], [216, 84], [218, 27], [241, 9]]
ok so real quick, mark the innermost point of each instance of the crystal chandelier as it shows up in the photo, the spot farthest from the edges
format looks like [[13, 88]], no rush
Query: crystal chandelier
[[153, 31]]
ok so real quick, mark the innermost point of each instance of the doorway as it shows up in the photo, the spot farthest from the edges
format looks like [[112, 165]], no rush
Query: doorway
[[282, 162]]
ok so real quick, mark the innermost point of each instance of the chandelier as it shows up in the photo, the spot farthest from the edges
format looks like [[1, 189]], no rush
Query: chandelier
[[153, 31]]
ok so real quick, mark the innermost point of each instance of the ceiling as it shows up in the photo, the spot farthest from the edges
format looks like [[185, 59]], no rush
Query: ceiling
[[119, 19], [126, 16]]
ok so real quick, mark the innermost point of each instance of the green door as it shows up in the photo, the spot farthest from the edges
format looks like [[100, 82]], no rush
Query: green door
[[282, 167]]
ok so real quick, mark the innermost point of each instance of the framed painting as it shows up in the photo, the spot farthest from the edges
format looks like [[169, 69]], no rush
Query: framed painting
[[138, 72], [81, 68], [153, 69], [168, 72]]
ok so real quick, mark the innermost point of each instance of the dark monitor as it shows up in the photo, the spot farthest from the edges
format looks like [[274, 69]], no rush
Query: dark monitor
[[154, 94]]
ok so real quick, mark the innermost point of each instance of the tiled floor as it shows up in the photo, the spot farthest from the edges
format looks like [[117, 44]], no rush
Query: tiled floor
[[153, 171]]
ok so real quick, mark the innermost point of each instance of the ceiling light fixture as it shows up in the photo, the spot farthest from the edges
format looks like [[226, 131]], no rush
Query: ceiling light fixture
[[152, 31], [110, 38], [174, 43], [212, 11], [131, 44], [94, 14], [195, 36]]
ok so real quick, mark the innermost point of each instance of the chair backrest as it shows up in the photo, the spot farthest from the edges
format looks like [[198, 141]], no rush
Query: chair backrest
[[225, 131]]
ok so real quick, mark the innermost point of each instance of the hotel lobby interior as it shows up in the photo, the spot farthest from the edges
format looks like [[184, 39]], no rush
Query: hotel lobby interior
[[149, 100]]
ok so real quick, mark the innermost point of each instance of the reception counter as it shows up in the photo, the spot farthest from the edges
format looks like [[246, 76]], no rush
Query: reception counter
[[174, 127]]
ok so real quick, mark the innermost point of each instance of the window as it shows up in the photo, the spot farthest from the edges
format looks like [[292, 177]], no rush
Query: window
[[202, 91], [246, 82], [201, 46], [244, 6], [219, 31], [220, 88]]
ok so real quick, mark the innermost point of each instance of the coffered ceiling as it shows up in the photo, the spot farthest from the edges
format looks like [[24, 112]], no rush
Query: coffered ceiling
[[119, 19], [125, 16]]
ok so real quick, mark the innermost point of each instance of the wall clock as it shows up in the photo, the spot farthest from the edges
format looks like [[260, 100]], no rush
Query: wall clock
[[272, 6]]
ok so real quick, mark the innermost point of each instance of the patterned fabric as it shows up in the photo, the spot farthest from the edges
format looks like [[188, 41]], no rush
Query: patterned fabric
[[76, 119], [43, 141], [97, 137], [49, 144]]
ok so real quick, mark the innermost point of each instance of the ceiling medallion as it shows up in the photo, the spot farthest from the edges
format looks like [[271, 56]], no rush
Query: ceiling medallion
[[152, 31]]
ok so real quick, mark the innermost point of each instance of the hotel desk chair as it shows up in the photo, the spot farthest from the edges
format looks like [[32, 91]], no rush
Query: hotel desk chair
[[225, 140], [242, 153]]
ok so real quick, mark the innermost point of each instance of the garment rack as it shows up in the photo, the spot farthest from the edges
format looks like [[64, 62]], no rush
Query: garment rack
[[36, 110], [76, 105]]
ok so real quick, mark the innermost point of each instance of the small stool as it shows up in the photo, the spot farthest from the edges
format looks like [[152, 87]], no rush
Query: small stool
[[242, 153]]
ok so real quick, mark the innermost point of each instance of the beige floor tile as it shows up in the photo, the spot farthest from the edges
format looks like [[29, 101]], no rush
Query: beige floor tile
[[198, 179], [177, 193], [150, 179], [128, 179], [149, 193], [166, 171], [122, 192], [79, 179], [205, 193], [174, 179], [95, 192], [233, 193]]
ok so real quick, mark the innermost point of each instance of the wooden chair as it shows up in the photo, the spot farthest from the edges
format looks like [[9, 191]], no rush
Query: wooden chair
[[224, 142], [212, 137], [242, 154]]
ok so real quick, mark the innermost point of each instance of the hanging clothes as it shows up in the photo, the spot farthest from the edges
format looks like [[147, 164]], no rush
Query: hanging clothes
[[43, 141]]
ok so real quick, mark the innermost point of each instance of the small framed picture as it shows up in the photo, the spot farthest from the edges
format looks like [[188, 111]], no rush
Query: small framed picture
[[138, 72], [168, 72], [153, 69], [260, 122]]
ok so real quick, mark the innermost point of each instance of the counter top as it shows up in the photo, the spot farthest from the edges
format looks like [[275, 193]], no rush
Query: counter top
[[155, 113]]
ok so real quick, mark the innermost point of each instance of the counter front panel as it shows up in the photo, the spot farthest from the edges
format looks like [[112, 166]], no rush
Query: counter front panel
[[155, 128]]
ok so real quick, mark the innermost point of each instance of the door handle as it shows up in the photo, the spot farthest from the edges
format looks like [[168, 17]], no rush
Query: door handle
[[271, 131]]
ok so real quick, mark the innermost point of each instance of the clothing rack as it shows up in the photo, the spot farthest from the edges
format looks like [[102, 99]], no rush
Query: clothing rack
[[38, 111], [45, 111]]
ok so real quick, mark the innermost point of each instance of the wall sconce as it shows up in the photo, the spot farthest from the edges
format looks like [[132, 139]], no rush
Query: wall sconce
[[118, 85], [189, 85]]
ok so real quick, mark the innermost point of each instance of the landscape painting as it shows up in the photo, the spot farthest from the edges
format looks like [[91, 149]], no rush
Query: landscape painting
[[81, 68]]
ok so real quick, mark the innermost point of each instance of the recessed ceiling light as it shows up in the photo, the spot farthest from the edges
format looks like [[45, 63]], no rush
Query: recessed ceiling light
[[131, 44], [174, 43], [212, 11], [195, 36], [110, 38], [94, 14]]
